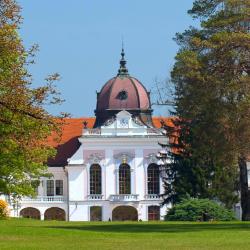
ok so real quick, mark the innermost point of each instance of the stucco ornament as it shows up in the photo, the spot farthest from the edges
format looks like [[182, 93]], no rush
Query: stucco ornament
[[151, 158], [137, 121], [95, 158], [124, 157], [109, 122]]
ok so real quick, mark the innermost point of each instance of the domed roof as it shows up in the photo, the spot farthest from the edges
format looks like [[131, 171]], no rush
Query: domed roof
[[123, 92]]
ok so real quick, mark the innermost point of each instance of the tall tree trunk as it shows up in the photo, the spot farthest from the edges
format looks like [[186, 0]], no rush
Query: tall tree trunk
[[245, 202]]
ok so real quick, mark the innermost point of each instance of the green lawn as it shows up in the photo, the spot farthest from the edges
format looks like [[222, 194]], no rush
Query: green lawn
[[31, 234]]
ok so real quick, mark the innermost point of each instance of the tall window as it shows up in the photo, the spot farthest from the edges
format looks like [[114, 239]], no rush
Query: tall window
[[50, 188], [124, 179], [95, 179], [54, 187], [59, 187], [153, 179], [153, 213]]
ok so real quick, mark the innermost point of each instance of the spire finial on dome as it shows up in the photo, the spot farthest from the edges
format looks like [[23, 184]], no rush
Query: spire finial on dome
[[123, 71]]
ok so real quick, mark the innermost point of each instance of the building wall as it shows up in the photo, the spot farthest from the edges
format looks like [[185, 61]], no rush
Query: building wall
[[43, 202], [137, 154], [75, 178]]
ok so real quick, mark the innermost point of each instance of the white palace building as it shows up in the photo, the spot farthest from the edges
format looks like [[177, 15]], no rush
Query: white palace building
[[105, 167]]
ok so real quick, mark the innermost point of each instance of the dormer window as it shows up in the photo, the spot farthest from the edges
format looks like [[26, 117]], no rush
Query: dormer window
[[122, 95]]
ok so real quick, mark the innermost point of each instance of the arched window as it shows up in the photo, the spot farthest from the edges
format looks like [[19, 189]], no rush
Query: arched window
[[30, 212], [95, 179], [153, 179], [124, 179]]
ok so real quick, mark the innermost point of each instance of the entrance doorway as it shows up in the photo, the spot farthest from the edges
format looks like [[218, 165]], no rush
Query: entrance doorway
[[153, 213], [96, 213], [54, 213], [123, 213]]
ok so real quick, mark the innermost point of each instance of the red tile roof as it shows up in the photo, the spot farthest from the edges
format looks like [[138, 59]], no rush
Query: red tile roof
[[157, 121], [68, 142], [72, 128]]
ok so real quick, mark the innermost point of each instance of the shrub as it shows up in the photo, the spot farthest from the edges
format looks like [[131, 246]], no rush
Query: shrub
[[4, 210], [193, 209]]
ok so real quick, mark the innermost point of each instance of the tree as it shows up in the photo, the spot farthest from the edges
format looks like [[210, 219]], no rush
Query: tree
[[212, 100], [24, 123], [199, 210]]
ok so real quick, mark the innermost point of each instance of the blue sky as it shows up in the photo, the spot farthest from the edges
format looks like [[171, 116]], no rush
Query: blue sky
[[81, 40]]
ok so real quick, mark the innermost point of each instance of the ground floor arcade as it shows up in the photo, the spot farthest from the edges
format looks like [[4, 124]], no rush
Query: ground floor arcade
[[95, 212]]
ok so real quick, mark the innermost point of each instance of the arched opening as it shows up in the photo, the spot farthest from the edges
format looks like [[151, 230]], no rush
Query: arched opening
[[30, 212], [123, 213], [124, 179], [95, 182], [54, 213], [153, 213], [96, 213], [153, 179]]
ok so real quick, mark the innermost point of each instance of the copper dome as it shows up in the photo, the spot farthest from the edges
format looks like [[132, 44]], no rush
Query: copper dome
[[122, 92]]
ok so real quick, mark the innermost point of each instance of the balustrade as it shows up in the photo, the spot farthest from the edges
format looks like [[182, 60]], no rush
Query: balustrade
[[95, 197], [42, 199], [152, 197], [124, 197]]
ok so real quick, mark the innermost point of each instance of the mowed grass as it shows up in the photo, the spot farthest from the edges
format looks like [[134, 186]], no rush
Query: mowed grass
[[31, 234]]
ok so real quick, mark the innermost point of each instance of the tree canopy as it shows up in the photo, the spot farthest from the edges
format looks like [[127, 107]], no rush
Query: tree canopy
[[24, 122], [212, 100]]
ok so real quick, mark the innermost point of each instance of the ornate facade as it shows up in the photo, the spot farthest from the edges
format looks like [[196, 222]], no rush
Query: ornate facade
[[106, 167]]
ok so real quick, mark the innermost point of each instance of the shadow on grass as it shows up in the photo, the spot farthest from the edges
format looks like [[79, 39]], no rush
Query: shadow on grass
[[156, 228]]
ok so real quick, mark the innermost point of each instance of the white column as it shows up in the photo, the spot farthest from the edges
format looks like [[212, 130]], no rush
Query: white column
[[143, 213], [103, 166], [116, 173], [132, 165], [42, 212], [110, 182], [106, 212], [86, 181], [44, 187], [42, 216], [139, 177]]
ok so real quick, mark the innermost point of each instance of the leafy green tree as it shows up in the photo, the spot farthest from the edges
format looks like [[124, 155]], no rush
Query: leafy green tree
[[24, 123], [212, 100], [199, 210]]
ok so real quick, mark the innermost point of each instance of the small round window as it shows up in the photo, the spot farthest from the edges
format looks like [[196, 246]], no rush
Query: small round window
[[122, 95]]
